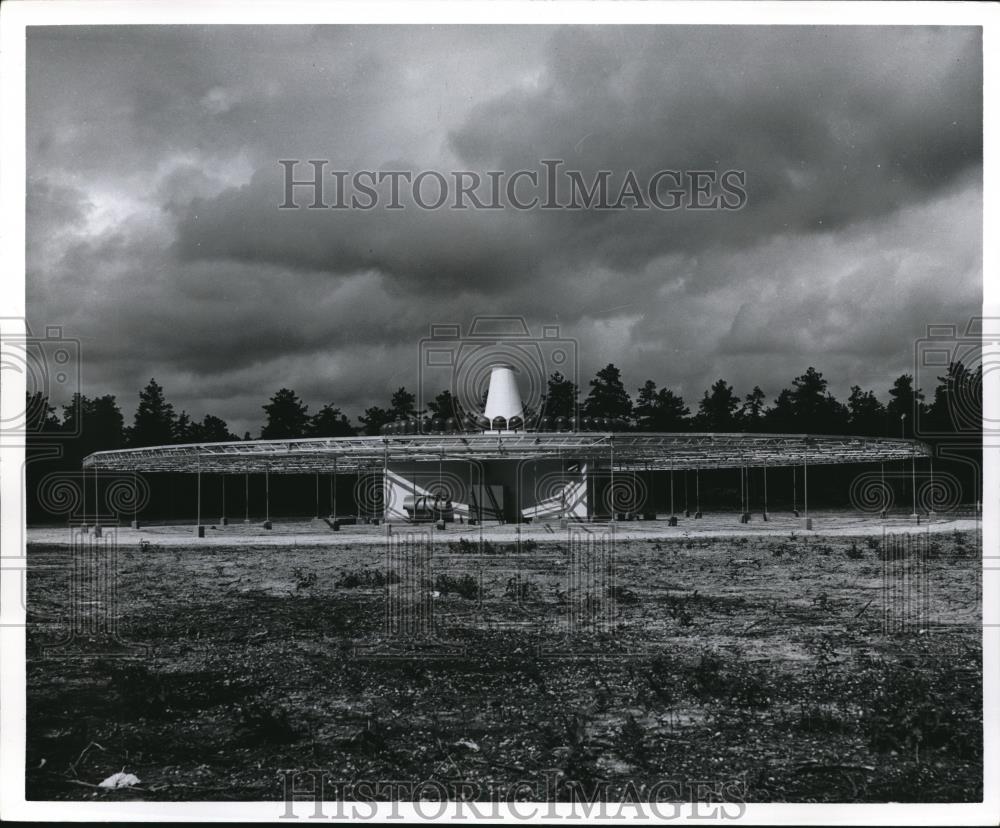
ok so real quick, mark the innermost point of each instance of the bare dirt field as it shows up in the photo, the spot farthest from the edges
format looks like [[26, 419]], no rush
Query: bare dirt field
[[838, 665]]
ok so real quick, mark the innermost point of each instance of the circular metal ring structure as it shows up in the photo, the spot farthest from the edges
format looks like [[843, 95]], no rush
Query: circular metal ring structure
[[621, 451]]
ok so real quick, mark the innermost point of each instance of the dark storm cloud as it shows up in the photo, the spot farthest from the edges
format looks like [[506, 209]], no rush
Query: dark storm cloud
[[154, 232]]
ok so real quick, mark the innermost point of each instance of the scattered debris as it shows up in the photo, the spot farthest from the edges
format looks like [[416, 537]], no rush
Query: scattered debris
[[120, 780]]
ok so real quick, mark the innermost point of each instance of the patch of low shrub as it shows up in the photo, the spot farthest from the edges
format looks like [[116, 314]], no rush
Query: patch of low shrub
[[366, 579], [465, 586], [740, 684]]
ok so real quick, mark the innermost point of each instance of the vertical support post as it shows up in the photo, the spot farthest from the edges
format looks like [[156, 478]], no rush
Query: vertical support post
[[562, 492], [267, 497], [743, 511], [746, 471], [317, 495], [83, 516], [913, 485], [673, 515], [806, 520], [385, 480], [224, 521], [97, 505], [884, 512], [199, 530], [931, 490], [764, 516], [135, 501], [534, 486], [697, 493], [795, 506], [687, 510], [614, 515]]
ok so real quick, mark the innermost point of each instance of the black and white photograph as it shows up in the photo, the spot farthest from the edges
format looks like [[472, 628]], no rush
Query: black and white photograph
[[500, 412]]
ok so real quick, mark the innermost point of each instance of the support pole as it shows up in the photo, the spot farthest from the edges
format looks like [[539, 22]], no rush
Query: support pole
[[614, 515], [913, 486], [199, 530], [697, 494], [246, 497], [673, 516], [795, 507], [884, 513], [743, 510], [562, 493], [223, 521], [267, 497], [317, 495], [385, 481], [135, 501], [746, 513], [764, 516], [97, 506], [83, 516], [930, 500], [687, 510], [806, 520]]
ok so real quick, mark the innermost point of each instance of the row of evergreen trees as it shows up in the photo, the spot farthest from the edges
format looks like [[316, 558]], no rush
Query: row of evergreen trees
[[95, 424]]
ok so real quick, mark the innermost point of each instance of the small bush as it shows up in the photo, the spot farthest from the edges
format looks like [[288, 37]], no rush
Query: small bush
[[623, 595], [303, 579], [464, 586], [519, 590], [741, 684], [854, 552], [915, 710], [366, 578], [268, 722]]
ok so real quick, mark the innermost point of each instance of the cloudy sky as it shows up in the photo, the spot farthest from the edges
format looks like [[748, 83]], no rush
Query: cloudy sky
[[154, 234]]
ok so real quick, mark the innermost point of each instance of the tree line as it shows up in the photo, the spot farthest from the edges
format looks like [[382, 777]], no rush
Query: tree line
[[96, 424]]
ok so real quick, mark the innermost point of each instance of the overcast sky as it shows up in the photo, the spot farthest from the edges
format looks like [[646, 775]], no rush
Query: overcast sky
[[153, 184]]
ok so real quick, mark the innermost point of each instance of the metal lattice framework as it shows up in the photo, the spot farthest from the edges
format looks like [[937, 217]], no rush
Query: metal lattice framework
[[620, 451]]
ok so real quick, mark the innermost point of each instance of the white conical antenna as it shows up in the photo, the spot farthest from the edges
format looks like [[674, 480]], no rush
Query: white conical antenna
[[503, 399]]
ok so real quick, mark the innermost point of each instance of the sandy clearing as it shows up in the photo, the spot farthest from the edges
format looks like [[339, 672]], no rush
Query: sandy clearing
[[713, 525]]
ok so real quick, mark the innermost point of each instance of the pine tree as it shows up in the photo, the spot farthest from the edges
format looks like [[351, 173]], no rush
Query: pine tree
[[905, 405], [717, 409], [446, 406], [752, 412], [608, 397], [660, 410], [561, 397], [403, 404], [213, 429], [373, 419], [287, 416], [644, 409], [155, 419], [330, 422], [866, 414]]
